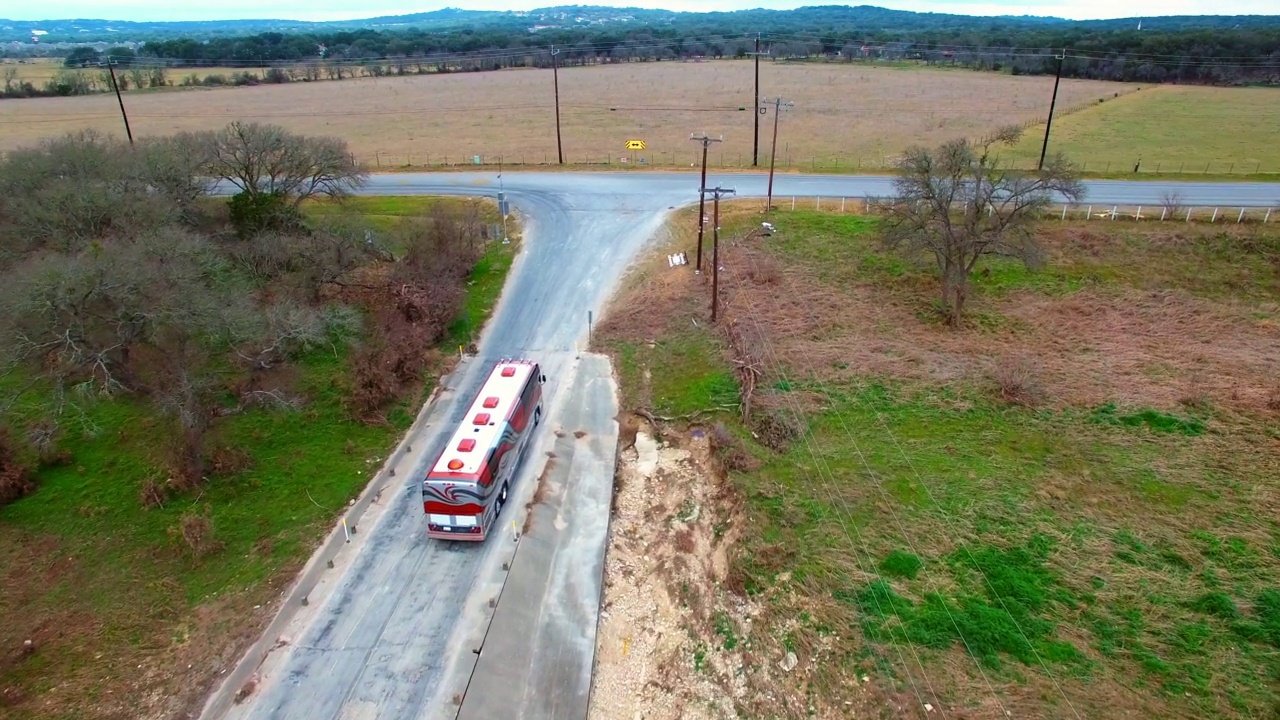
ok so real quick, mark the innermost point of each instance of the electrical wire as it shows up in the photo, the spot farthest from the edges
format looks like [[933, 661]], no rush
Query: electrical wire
[[948, 522], [770, 350]]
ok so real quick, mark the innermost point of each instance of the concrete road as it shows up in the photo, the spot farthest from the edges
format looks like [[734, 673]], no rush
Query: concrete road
[[394, 634], [538, 655], [398, 628]]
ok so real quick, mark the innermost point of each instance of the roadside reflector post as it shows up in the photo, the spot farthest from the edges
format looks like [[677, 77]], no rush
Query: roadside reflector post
[[1241, 218], [589, 328], [346, 531]]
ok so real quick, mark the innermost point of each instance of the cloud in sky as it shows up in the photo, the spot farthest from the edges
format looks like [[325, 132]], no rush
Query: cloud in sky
[[319, 10]]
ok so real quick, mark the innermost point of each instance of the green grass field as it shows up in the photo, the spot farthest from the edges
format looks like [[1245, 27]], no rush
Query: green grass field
[[1169, 129], [1102, 553], [106, 586]]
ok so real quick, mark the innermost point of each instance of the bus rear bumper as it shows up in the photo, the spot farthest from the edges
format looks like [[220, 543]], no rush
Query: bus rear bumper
[[471, 533]]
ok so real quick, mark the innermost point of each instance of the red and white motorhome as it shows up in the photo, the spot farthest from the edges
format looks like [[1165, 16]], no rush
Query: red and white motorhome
[[469, 483]]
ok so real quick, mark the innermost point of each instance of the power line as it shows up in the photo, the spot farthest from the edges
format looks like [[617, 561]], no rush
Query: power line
[[826, 484], [659, 44]]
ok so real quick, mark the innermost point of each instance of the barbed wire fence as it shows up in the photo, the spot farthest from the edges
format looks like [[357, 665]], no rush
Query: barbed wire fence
[[1170, 211], [831, 163]]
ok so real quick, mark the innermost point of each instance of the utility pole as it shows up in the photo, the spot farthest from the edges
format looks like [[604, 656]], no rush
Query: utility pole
[[1049, 122], [773, 151], [120, 100], [755, 148], [502, 203], [706, 141], [555, 73], [715, 250]]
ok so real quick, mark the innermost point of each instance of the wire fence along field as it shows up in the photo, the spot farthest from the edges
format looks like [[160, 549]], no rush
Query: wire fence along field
[[1171, 211], [835, 163], [847, 118]]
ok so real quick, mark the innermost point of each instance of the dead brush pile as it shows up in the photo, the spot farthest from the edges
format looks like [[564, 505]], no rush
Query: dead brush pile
[[16, 478], [1149, 348], [1157, 348]]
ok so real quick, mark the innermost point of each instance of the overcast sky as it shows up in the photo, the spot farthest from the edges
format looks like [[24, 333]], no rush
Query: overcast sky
[[354, 9]]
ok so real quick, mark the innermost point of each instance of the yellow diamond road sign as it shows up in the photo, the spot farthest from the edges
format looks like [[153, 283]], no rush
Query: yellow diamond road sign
[[635, 145]]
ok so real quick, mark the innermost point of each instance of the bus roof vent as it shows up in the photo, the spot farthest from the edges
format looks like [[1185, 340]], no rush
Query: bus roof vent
[[491, 402], [480, 419], [467, 445], [508, 371]]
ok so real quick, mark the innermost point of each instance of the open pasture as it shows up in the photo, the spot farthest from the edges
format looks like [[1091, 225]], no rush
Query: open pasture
[[1169, 129], [851, 116]]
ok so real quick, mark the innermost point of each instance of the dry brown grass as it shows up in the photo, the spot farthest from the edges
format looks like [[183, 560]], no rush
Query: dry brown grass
[[1212, 345], [1164, 348], [163, 672], [841, 111]]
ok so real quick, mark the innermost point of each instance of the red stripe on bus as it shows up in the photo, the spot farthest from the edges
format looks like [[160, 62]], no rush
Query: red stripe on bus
[[432, 507]]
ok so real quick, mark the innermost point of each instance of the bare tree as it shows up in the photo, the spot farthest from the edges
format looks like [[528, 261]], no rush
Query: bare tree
[[311, 259], [83, 186], [111, 317], [956, 204], [269, 160], [1172, 202]]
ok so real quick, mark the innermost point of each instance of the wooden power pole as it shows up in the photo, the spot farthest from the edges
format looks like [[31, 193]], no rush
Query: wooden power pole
[[1048, 123], [555, 74], [715, 249], [706, 141], [114, 86], [773, 151]]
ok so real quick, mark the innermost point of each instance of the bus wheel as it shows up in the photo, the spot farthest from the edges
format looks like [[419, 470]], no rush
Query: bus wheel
[[502, 500], [537, 416]]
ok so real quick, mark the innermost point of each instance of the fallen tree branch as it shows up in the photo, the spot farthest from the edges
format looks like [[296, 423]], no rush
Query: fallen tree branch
[[653, 419]]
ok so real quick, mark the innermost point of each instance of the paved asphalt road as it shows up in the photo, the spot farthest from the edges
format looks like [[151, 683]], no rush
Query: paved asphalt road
[[396, 635], [683, 187]]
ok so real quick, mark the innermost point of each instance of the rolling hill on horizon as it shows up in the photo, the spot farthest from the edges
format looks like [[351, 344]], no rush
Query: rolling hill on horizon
[[824, 18]]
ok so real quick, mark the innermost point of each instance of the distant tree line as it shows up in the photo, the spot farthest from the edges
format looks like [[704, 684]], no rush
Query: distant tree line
[[1213, 50]]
